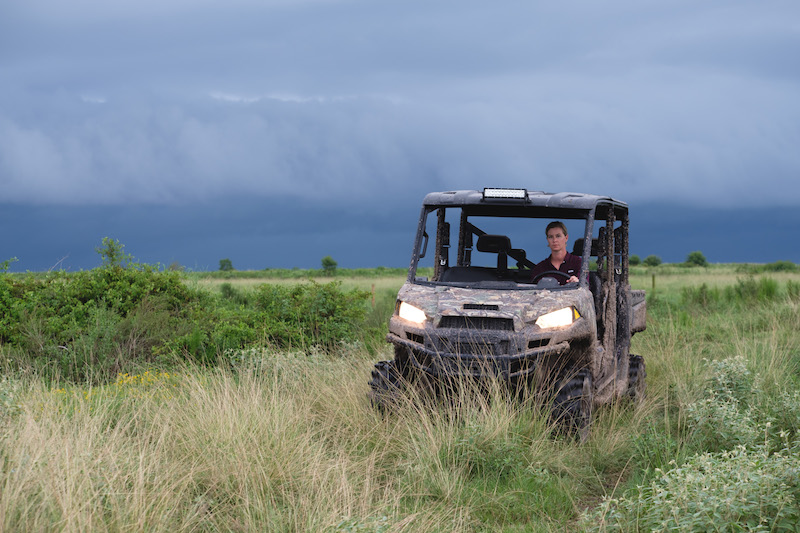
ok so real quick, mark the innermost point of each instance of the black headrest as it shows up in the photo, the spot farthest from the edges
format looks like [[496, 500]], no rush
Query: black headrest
[[577, 248], [494, 243]]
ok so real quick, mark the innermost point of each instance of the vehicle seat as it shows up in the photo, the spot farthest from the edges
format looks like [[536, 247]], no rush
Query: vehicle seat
[[496, 244], [577, 248]]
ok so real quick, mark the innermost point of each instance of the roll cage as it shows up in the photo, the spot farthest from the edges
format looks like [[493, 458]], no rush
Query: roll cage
[[605, 227]]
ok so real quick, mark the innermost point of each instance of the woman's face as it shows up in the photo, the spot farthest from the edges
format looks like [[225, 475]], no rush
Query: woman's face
[[556, 239]]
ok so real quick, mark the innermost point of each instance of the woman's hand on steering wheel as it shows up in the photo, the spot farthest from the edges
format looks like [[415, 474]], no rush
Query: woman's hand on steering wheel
[[569, 278]]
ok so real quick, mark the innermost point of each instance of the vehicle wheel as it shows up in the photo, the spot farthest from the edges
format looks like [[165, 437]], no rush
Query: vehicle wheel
[[385, 385], [424, 384], [572, 407], [636, 378], [401, 361]]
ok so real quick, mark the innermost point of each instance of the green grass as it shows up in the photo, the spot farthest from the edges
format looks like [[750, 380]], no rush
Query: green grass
[[287, 441]]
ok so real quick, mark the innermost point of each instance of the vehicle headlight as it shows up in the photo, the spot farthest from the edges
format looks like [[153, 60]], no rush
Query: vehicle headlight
[[411, 313], [557, 319]]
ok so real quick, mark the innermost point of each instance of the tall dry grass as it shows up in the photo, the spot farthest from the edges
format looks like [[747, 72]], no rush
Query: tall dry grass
[[286, 442]]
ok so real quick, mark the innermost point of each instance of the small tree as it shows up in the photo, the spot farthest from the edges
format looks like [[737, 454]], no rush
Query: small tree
[[652, 260], [225, 265], [113, 253], [5, 265], [329, 265], [634, 260], [696, 259]]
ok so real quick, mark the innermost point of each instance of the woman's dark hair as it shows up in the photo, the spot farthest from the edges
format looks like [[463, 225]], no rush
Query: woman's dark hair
[[556, 224]]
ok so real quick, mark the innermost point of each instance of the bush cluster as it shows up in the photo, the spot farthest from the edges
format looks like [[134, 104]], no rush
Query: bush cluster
[[92, 320], [729, 414], [696, 259], [737, 490], [96, 323], [746, 478], [298, 316], [651, 261], [777, 266]]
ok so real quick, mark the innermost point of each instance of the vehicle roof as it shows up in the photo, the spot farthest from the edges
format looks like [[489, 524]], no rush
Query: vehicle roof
[[560, 200]]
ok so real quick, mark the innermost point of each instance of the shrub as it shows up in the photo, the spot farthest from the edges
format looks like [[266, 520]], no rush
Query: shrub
[[225, 265], [634, 260], [740, 408], [113, 253], [696, 259], [652, 260], [92, 322], [777, 266], [781, 266], [229, 292], [5, 265], [737, 490], [329, 265], [301, 316], [746, 479], [310, 314]]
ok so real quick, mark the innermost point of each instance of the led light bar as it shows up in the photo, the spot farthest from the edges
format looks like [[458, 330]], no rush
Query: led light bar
[[517, 194]]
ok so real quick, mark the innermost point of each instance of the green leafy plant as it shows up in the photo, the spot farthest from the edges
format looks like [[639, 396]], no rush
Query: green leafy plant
[[651, 261], [113, 253], [5, 265], [777, 266], [696, 259], [736, 490], [329, 265]]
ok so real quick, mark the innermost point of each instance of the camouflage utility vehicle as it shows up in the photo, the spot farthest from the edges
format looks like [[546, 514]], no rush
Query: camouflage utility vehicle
[[478, 311]]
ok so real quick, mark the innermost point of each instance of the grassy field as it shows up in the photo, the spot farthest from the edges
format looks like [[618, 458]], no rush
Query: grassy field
[[287, 441]]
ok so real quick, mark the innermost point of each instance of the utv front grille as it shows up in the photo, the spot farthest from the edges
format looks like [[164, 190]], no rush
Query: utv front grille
[[477, 322], [414, 337], [482, 307], [484, 349], [538, 343]]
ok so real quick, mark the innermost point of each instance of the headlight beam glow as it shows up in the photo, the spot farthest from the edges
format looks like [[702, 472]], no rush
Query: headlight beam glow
[[411, 313], [557, 319]]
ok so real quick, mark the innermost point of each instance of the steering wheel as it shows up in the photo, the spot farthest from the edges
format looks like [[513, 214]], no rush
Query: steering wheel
[[537, 277]]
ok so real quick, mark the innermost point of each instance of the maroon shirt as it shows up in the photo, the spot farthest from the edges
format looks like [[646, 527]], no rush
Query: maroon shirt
[[571, 266]]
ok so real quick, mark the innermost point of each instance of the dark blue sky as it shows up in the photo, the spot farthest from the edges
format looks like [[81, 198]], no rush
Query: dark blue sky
[[256, 234], [151, 121]]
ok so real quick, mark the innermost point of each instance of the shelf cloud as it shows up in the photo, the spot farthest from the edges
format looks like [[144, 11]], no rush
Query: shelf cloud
[[176, 103]]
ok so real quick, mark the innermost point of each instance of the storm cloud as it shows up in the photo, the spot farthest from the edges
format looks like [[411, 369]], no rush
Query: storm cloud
[[375, 103]]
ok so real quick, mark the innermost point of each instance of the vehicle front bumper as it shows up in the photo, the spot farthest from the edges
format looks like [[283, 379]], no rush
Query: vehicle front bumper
[[504, 366]]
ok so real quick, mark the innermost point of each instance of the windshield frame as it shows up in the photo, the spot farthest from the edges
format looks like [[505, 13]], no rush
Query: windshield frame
[[426, 244]]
